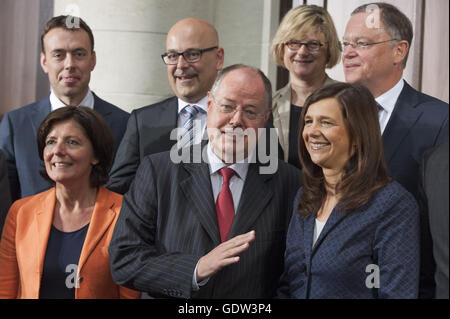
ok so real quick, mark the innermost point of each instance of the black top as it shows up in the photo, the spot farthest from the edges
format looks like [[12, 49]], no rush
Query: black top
[[61, 263], [293, 136]]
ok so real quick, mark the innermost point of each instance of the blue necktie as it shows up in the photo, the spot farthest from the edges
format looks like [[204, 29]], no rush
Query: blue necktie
[[190, 112]]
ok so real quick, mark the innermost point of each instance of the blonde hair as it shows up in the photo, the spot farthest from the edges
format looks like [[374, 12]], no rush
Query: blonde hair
[[302, 20]]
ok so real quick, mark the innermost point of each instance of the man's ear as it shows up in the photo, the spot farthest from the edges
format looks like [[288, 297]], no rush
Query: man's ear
[[208, 103], [93, 60], [43, 60], [400, 51], [220, 58]]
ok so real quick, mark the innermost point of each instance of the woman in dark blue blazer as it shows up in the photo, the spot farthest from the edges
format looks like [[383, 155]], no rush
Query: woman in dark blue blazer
[[354, 232]]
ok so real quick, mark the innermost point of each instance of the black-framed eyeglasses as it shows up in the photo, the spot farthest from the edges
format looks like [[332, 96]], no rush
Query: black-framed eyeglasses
[[190, 55], [312, 46], [363, 44]]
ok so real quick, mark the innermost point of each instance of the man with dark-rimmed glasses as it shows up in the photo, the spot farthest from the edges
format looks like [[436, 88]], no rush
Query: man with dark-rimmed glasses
[[193, 57], [376, 44]]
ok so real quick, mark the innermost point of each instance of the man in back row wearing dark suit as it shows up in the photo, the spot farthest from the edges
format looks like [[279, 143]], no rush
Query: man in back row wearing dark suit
[[193, 58], [376, 45], [215, 227], [68, 57]]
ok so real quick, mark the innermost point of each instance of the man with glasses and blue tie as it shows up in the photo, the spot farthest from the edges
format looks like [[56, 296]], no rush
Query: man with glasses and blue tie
[[193, 58], [214, 228], [376, 44]]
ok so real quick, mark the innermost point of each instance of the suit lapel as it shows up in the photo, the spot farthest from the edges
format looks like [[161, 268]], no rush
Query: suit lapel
[[44, 221], [335, 218], [39, 113], [169, 114], [308, 231], [101, 107], [403, 118], [256, 194], [101, 219], [196, 186]]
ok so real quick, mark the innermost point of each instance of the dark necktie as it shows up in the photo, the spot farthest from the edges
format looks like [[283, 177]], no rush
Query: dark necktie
[[224, 205], [380, 108], [188, 126]]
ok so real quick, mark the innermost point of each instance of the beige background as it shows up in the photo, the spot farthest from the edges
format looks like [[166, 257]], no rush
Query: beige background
[[130, 37]]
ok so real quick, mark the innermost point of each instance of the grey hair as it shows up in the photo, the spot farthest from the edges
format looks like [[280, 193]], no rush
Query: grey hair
[[266, 81], [396, 23]]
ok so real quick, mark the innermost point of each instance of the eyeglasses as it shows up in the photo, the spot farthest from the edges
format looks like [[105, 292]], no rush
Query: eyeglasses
[[312, 46], [230, 110], [190, 55], [363, 44]]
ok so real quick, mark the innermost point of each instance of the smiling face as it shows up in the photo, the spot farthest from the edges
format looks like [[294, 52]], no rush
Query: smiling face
[[240, 89], [326, 136], [192, 81], [68, 154], [68, 60], [378, 67], [304, 64]]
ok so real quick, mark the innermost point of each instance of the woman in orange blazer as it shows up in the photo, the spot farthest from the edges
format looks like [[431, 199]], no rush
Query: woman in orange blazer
[[55, 244]]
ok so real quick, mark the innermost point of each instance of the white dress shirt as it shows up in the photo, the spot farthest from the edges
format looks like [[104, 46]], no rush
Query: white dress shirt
[[56, 103], [387, 101]]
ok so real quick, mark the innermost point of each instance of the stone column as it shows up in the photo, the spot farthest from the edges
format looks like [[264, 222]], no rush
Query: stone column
[[130, 38]]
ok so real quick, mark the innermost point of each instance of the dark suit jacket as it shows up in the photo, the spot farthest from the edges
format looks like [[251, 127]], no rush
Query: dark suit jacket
[[168, 221], [434, 175], [5, 196], [384, 232], [148, 132], [418, 122], [18, 130]]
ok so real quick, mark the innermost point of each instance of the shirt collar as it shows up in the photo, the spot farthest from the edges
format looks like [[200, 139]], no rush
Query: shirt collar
[[56, 103], [215, 164], [388, 99], [201, 104]]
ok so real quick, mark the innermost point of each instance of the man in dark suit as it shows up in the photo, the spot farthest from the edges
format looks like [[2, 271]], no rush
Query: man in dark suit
[[68, 57], [193, 58], [187, 229], [5, 197], [376, 44], [434, 174]]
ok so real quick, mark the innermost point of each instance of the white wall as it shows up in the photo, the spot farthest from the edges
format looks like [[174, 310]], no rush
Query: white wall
[[130, 37]]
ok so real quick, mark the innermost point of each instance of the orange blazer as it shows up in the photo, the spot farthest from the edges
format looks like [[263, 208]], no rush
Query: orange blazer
[[24, 242]]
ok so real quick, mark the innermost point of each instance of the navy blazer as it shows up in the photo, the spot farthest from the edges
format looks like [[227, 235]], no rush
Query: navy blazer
[[418, 123], [18, 132], [384, 232]]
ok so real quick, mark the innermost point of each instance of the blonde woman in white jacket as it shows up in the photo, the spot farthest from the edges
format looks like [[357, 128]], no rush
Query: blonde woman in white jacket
[[306, 43]]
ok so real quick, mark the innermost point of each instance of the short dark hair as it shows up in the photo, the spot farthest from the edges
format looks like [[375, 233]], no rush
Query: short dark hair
[[396, 23], [67, 23], [366, 171], [266, 81], [96, 130]]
